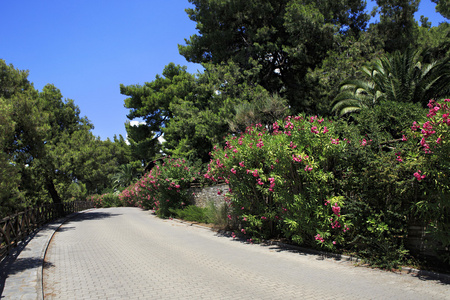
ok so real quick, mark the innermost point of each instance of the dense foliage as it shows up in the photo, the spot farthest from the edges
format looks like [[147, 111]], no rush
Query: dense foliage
[[48, 152]]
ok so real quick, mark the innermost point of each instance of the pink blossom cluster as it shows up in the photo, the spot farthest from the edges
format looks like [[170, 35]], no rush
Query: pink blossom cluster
[[418, 175], [336, 210], [272, 184], [319, 238]]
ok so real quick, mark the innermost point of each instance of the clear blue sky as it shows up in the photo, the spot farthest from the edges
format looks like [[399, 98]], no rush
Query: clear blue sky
[[88, 48]]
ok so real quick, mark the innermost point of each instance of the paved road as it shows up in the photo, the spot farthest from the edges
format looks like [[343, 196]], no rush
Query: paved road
[[126, 253]]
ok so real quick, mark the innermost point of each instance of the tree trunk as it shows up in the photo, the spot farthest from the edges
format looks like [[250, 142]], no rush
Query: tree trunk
[[55, 197]]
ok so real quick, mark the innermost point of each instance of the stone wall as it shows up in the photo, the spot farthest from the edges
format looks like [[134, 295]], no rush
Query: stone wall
[[202, 196]]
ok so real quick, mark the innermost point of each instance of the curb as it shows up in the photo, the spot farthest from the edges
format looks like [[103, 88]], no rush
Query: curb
[[23, 277], [40, 274]]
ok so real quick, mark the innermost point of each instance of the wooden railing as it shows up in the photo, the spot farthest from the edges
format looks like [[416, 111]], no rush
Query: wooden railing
[[16, 228]]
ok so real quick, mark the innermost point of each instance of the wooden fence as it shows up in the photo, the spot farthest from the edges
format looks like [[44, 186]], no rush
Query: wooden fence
[[16, 228]]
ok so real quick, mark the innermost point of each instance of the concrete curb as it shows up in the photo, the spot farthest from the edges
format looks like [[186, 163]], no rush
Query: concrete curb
[[24, 270]]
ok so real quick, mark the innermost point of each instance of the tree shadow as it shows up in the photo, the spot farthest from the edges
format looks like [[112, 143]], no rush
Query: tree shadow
[[12, 265], [440, 278], [92, 215]]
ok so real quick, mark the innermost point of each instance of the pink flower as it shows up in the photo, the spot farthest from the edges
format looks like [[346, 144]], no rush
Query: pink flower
[[325, 129], [241, 164], [319, 238], [334, 242], [404, 138], [336, 210], [260, 144], [335, 141], [255, 173], [233, 171], [418, 175], [243, 231], [308, 168], [363, 142], [438, 140], [296, 158]]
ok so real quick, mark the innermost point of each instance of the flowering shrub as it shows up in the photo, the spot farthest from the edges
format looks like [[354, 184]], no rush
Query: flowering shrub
[[434, 176], [164, 187], [282, 181], [105, 200]]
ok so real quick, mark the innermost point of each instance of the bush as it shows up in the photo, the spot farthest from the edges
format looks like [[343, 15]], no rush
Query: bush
[[165, 187], [105, 200], [191, 213], [433, 209], [282, 182]]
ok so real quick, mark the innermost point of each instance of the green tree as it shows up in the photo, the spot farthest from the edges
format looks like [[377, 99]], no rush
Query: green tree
[[278, 40], [151, 103], [443, 7], [397, 25], [192, 111], [23, 127], [345, 60], [264, 110], [201, 121], [400, 77], [436, 40]]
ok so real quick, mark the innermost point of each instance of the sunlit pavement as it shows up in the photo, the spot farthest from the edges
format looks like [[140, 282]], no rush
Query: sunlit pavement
[[127, 253]]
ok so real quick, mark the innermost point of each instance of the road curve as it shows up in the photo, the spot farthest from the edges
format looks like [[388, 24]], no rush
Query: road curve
[[127, 253]]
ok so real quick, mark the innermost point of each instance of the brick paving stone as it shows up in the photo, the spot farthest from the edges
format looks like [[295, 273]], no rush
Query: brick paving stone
[[127, 253]]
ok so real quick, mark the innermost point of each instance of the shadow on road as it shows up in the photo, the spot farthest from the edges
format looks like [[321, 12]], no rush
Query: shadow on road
[[92, 215], [11, 265], [86, 216], [319, 255]]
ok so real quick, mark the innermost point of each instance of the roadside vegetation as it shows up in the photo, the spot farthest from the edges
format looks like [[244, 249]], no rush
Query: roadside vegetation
[[332, 132]]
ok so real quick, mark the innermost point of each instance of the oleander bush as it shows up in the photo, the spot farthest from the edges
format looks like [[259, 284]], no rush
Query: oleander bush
[[164, 188], [105, 200]]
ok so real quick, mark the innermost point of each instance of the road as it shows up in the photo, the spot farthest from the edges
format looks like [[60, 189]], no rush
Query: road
[[128, 253]]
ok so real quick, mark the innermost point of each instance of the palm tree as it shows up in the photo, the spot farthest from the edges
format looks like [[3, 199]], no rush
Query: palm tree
[[124, 176], [399, 77]]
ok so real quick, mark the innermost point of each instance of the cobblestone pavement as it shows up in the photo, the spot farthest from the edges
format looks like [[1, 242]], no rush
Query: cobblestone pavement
[[127, 253]]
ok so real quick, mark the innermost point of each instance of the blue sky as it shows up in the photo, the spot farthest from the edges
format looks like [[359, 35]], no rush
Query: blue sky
[[88, 48]]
